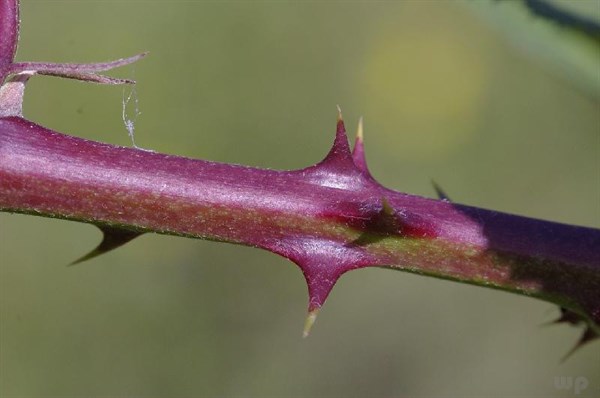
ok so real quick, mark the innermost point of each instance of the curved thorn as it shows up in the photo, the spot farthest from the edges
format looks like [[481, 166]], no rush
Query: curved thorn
[[588, 335], [112, 238], [567, 316]]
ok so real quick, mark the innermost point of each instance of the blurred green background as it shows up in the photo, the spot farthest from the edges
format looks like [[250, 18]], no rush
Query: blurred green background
[[444, 95]]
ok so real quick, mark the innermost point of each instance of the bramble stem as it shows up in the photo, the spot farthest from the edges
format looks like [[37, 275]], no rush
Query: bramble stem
[[328, 218]]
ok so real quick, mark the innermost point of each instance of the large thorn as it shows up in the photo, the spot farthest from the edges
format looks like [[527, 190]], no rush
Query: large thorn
[[113, 238], [322, 262], [337, 169]]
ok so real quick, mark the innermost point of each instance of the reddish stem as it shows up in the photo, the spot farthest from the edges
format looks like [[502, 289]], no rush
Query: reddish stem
[[329, 218]]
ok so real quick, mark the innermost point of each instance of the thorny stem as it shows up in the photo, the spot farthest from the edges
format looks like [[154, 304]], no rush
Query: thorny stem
[[329, 218]]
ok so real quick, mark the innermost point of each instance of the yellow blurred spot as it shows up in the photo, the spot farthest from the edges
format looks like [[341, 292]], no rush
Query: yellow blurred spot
[[425, 79]]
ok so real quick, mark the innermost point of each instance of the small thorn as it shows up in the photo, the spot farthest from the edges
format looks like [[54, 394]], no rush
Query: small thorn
[[386, 207], [567, 316], [358, 153], [381, 225], [309, 322], [588, 335], [112, 238], [440, 192]]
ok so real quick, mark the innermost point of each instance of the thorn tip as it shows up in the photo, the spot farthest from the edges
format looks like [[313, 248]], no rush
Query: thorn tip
[[339, 114], [441, 194], [359, 130], [309, 322]]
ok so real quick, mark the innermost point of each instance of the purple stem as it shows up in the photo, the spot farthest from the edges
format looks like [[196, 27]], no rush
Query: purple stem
[[329, 218]]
